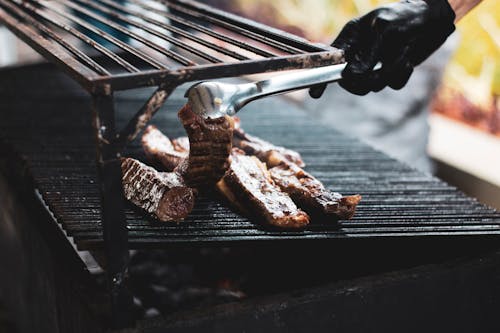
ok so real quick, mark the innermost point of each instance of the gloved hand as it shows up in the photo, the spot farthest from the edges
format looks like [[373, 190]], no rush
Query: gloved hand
[[399, 35]]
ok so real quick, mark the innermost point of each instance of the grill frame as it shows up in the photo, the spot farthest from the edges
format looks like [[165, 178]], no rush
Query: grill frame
[[32, 20], [297, 52]]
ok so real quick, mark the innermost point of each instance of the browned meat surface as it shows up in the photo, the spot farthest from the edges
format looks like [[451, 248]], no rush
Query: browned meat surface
[[267, 152], [241, 186], [248, 185], [311, 195], [163, 195], [160, 150], [210, 142], [181, 144]]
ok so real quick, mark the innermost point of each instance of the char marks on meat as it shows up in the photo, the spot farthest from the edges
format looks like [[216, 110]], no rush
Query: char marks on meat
[[270, 194], [267, 152], [248, 185], [160, 150], [162, 194], [210, 143], [311, 195]]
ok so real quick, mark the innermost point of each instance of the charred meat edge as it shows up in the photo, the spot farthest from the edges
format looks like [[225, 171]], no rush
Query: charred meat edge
[[162, 194], [311, 195], [306, 191], [248, 184], [210, 143], [267, 152], [160, 150]]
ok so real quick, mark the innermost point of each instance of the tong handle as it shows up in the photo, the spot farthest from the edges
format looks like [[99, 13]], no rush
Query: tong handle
[[288, 82]]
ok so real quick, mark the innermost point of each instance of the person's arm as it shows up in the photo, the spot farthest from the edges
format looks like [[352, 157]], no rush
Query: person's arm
[[462, 7], [400, 36]]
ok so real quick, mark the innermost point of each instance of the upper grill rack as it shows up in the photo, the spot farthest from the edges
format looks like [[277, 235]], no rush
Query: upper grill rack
[[149, 42]]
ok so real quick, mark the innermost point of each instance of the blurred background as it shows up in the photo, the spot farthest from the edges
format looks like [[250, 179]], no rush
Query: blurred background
[[445, 121]]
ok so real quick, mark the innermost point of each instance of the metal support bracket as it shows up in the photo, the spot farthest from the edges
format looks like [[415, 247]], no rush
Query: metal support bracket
[[144, 115], [112, 211]]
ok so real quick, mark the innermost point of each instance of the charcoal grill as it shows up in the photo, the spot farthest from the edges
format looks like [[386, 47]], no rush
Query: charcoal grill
[[203, 43], [199, 43]]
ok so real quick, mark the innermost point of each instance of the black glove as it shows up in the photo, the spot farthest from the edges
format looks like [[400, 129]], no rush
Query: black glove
[[400, 36]]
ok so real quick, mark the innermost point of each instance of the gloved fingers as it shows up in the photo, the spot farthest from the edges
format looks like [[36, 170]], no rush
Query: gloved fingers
[[354, 87], [362, 56], [395, 73], [347, 36], [358, 77], [317, 90], [421, 48], [397, 68], [401, 75]]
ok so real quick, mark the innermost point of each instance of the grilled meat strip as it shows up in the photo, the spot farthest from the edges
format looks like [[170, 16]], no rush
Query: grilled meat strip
[[267, 152], [248, 185], [160, 150], [162, 194], [181, 144], [210, 143], [305, 190], [311, 195]]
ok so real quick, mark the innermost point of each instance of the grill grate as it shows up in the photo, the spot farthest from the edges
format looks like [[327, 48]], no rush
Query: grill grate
[[146, 43], [397, 200]]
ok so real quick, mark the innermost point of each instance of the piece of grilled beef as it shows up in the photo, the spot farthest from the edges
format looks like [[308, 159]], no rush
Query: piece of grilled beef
[[267, 152], [162, 194], [161, 151], [311, 195], [305, 190], [210, 143], [248, 185], [181, 144]]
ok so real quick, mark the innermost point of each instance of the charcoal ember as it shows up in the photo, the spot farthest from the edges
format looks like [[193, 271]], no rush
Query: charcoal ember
[[164, 283], [163, 195], [311, 195], [210, 143], [248, 185]]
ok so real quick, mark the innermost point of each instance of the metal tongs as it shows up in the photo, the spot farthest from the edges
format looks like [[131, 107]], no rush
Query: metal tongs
[[213, 99]]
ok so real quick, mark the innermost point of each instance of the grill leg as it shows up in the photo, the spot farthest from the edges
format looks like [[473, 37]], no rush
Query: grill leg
[[113, 216]]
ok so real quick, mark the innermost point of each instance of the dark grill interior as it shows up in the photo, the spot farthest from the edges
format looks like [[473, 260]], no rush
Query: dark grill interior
[[52, 129], [154, 40]]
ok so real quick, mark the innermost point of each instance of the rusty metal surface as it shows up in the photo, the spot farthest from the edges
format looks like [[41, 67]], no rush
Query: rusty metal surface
[[144, 115], [114, 228], [143, 45], [58, 143]]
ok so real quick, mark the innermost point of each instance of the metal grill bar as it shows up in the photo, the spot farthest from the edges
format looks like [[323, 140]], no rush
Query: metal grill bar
[[79, 35], [197, 27], [248, 25], [174, 41], [79, 54], [231, 45], [144, 57], [48, 48], [154, 46], [206, 16]]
